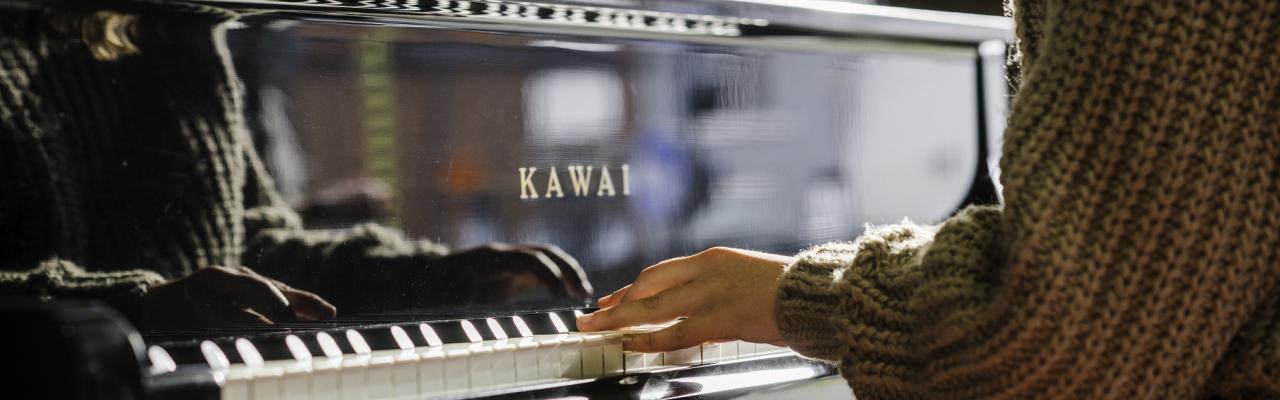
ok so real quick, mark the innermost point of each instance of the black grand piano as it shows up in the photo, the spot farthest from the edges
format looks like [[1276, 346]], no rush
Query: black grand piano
[[624, 132]]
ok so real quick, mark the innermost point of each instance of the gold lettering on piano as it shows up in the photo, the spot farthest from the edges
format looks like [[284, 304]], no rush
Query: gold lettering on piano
[[581, 178], [581, 181], [626, 181], [526, 182], [606, 183], [553, 184]]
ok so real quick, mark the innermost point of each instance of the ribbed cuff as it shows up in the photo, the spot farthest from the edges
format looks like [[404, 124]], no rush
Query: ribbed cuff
[[811, 304]]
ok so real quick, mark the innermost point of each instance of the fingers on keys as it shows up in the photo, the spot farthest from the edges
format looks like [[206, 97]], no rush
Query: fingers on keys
[[684, 334], [661, 307]]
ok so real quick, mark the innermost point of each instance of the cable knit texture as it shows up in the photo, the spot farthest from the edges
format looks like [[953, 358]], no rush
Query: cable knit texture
[[1136, 256], [125, 160]]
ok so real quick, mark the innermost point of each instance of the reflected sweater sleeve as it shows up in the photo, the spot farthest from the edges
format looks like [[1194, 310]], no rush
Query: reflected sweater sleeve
[[60, 279], [365, 268]]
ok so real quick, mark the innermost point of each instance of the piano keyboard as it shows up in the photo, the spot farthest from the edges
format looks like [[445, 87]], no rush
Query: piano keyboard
[[434, 359]]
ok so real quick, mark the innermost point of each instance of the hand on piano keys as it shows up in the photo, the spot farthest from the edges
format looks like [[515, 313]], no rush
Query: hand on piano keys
[[722, 293], [440, 358]]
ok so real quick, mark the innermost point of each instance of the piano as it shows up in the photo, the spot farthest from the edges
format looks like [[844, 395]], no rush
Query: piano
[[622, 131]]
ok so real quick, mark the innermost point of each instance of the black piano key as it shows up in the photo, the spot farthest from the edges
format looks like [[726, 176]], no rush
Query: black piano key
[[508, 326], [229, 347], [185, 353], [539, 323], [482, 326], [272, 347], [449, 331], [379, 338]]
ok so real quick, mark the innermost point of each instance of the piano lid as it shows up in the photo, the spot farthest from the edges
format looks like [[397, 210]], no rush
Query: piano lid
[[613, 135], [623, 150], [699, 18]]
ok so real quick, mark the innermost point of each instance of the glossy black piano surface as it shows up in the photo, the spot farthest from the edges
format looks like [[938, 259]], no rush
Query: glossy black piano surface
[[732, 136], [624, 132]]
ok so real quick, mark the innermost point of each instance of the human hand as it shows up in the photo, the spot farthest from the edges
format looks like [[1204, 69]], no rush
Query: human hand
[[723, 293], [224, 296], [498, 272]]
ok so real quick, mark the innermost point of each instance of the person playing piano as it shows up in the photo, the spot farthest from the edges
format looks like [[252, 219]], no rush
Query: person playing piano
[[128, 177], [1136, 255]]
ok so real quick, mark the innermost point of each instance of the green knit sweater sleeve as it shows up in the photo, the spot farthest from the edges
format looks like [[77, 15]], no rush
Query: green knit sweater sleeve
[[876, 293], [1136, 254], [61, 279]]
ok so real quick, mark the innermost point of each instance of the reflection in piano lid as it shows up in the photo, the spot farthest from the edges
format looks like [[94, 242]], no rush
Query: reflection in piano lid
[[620, 135]]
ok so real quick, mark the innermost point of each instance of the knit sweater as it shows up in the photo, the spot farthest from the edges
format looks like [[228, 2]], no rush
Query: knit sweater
[[1138, 250], [125, 163]]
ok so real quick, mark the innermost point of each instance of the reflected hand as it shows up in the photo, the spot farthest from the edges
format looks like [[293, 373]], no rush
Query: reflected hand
[[725, 294], [496, 273], [222, 296]]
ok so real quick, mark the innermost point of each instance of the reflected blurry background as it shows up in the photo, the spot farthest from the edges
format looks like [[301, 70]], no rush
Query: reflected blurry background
[[769, 149]]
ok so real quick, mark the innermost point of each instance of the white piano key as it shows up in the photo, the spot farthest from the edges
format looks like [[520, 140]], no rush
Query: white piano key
[[352, 378], [481, 366], [324, 378], [268, 383], [633, 361], [482, 360], [381, 381], [729, 351], [457, 369], [570, 356], [711, 352], [234, 383], [504, 364], [613, 358], [405, 371], [264, 384], [654, 360], [592, 355], [570, 348], [296, 383], [324, 381], [765, 348], [683, 357], [526, 360], [504, 355], [431, 372], [354, 375], [529, 353], [548, 357], [746, 349]]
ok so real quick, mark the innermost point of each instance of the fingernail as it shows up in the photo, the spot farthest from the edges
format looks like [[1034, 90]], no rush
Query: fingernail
[[626, 342], [603, 299]]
